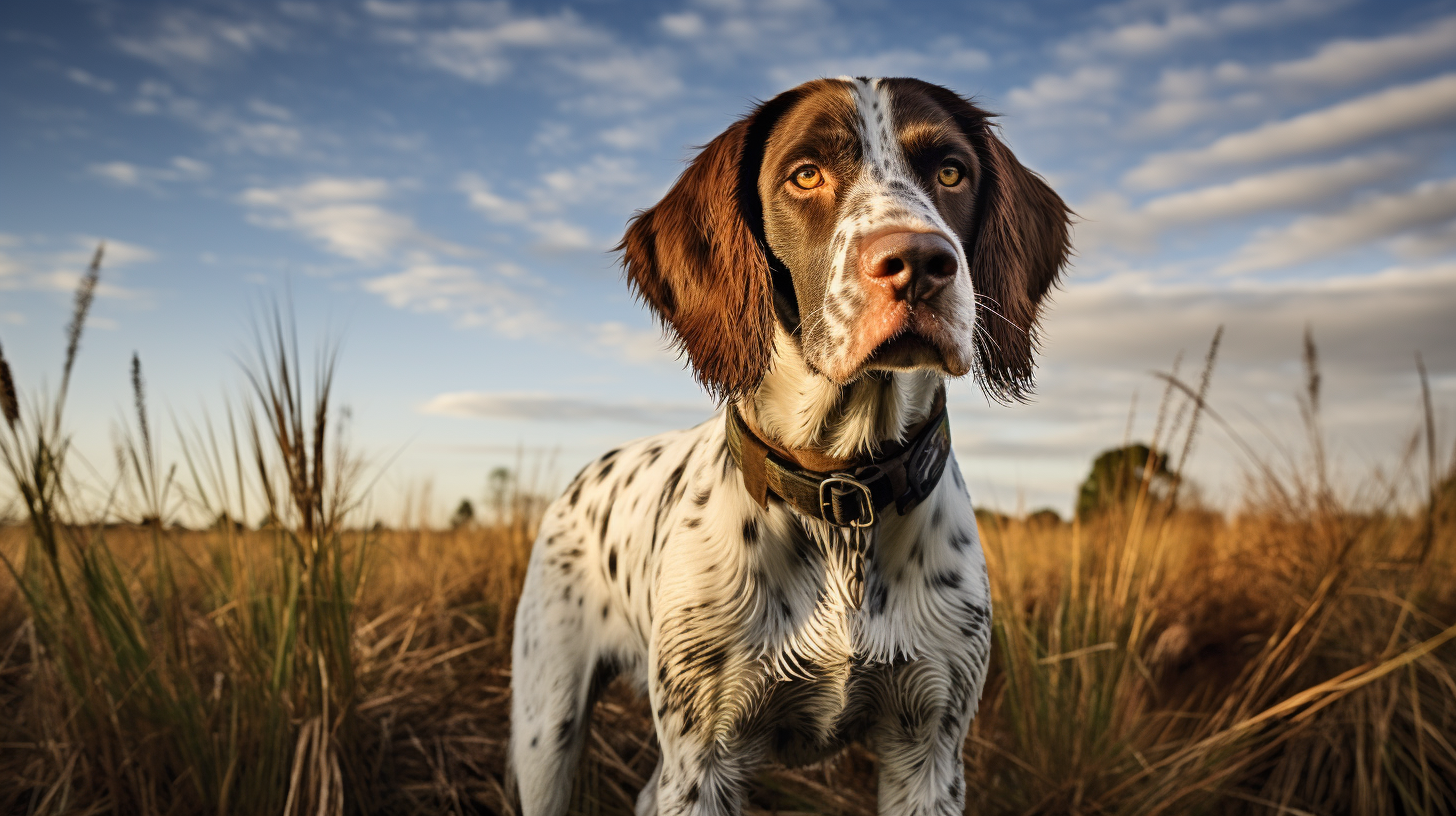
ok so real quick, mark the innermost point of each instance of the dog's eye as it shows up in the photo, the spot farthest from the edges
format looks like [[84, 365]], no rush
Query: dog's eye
[[808, 177], [951, 174]]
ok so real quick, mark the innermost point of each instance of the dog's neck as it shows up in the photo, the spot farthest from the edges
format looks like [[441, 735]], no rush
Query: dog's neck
[[799, 409]]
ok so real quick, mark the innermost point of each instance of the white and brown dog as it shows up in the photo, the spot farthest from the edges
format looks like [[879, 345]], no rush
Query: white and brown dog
[[795, 573]]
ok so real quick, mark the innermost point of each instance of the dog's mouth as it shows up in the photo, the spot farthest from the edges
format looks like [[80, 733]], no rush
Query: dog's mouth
[[910, 350], [898, 336]]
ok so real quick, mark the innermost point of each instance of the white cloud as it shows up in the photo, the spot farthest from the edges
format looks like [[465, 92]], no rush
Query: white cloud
[[1104, 337], [1368, 325], [632, 79], [1108, 219], [235, 134], [182, 38], [345, 217], [472, 298], [1055, 91], [635, 135], [687, 25], [1188, 95], [341, 215], [484, 200], [1427, 243], [1347, 62], [1384, 113], [126, 174], [269, 110], [725, 32], [1145, 37], [559, 408], [1374, 218], [89, 80], [598, 180], [482, 49], [561, 54], [44, 264], [637, 345], [945, 55]]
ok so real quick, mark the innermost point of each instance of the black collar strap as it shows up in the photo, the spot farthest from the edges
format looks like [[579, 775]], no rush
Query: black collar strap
[[854, 496]]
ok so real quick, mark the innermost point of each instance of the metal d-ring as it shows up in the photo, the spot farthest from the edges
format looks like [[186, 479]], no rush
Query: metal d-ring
[[869, 501]]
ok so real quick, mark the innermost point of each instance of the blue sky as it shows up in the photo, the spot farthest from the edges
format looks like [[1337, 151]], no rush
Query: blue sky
[[439, 184]]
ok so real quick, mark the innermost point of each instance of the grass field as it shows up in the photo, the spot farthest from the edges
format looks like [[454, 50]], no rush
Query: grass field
[[1290, 656]]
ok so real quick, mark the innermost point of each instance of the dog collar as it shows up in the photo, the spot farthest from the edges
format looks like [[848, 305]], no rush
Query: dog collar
[[849, 495]]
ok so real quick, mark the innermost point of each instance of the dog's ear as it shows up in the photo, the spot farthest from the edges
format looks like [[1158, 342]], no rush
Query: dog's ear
[[1017, 248], [1021, 245], [699, 260]]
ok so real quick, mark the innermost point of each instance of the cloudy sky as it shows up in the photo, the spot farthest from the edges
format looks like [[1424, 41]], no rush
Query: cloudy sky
[[438, 185]]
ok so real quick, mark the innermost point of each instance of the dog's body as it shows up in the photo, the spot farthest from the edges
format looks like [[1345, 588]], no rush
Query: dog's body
[[821, 264]]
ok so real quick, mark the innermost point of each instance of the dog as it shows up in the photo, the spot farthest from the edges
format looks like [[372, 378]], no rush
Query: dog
[[803, 569]]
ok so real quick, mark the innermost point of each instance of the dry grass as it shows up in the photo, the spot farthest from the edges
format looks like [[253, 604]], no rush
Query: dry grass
[[1292, 657]]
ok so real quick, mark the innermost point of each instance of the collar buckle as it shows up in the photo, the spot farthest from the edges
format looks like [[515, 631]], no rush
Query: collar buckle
[[835, 493]]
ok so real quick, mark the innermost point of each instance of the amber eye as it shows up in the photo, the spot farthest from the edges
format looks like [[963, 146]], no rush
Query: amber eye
[[808, 177], [951, 174]]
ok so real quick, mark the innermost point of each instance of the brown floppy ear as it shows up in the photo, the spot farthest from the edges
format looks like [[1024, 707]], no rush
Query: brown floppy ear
[[1020, 248], [1017, 249], [696, 258]]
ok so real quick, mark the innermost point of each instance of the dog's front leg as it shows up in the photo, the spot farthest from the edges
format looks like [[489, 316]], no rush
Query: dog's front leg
[[705, 768], [919, 740], [697, 776]]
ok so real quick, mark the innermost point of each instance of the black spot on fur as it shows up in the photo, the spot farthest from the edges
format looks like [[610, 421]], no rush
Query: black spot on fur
[[605, 471], [949, 723], [606, 517], [701, 499], [606, 670], [876, 596], [606, 610], [937, 516], [535, 740], [653, 453], [575, 495], [612, 563], [960, 539], [750, 531], [946, 580], [693, 523], [669, 487], [694, 792], [565, 731]]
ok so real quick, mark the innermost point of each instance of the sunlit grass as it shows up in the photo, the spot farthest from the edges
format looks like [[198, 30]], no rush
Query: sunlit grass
[[1291, 656]]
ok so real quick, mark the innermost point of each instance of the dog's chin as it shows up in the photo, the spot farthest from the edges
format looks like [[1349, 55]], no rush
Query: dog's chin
[[907, 351]]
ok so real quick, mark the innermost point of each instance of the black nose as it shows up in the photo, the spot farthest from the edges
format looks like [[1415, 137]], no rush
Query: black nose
[[915, 264]]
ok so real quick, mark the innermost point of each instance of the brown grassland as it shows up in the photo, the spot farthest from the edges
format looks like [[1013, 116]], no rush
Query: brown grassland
[[1291, 655]]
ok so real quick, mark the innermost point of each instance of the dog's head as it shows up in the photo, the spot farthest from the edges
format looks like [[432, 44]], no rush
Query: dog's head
[[881, 222]]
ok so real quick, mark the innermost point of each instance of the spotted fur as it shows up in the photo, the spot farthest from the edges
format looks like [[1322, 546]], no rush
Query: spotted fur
[[757, 633]]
